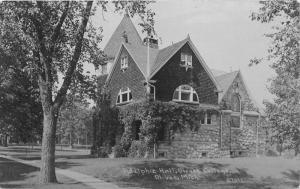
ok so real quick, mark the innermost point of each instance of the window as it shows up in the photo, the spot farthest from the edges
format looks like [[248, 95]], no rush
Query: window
[[202, 119], [103, 69], [186, 60], [207, 118], [236, 103], [124, 63], [235, 121], [124, 96], [185, 93]]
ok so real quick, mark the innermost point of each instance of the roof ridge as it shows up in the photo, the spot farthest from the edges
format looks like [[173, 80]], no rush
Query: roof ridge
[[127, 25], [173, 44], [232, 72]]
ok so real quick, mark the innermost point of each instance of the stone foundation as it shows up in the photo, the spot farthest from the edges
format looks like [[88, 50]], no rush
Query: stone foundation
[[212, 141]]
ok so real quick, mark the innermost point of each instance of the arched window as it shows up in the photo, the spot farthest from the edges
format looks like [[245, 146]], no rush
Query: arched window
[[185, 93], [236, 104], [124, 96]]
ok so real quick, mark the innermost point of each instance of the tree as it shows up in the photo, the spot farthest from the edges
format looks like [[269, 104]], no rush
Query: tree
[[55, 39], [73, 119], [20, 108], [284, 53]]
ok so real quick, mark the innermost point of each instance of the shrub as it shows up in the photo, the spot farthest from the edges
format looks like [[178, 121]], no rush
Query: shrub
[[137, 149], [119, 151]]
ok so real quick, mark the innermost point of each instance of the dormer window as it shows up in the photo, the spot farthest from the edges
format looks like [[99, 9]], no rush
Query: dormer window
[[185, 93], [124, 63], [124, 96], [186, 60], [104, 69]]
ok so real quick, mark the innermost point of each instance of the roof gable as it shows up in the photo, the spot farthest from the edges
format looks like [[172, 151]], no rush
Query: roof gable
[[112, 46], [225, 81], [167, 53], [138, 59]]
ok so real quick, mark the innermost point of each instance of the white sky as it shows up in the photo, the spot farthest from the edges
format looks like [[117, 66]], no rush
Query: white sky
[[221, 30]]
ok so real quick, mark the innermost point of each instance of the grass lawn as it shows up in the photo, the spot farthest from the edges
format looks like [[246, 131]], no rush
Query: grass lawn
[[225, 173], [237, 173], [17, 175]]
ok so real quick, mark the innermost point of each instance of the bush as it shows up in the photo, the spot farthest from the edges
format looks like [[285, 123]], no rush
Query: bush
[[102, 152], [119, 151], [137, 149]]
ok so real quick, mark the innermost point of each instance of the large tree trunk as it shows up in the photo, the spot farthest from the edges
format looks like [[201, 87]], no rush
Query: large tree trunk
[[47, 174]]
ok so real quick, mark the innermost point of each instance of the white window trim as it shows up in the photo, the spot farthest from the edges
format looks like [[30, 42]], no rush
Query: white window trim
[[124, 62], [191, 91], [205, 120], [185, 59], [120, 94], [106, 71]]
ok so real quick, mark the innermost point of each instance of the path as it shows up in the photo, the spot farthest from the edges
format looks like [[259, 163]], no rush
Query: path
[[82, 178]]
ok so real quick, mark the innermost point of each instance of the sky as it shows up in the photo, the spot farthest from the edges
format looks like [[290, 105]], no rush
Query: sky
[[221, 30]]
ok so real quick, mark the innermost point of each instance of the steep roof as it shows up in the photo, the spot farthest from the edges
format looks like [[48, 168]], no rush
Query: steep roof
[[140, 56], [225, 80], [112, 46], [139, 51], [217, 72], [165, 54]]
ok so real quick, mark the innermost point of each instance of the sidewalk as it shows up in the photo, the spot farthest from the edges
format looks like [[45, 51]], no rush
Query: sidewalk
[[82, 178]]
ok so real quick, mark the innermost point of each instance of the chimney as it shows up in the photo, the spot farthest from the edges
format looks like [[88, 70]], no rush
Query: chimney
[[153, 43]]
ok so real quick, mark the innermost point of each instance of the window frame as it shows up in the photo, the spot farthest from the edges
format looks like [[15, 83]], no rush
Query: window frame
[[124, 62], [207, 116], [237, 114], [106, 69], [120, 96], [184, 57], [191, 92]]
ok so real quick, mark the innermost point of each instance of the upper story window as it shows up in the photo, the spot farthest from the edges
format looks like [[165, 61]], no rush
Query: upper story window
[[124, 62], [186, 60], [104, 69], [185, 93], [124, 96]]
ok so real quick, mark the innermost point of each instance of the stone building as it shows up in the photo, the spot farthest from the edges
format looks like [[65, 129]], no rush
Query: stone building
[[137, 69]]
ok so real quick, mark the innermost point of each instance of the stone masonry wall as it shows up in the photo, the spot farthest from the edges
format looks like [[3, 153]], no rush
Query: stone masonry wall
[[197, 144]]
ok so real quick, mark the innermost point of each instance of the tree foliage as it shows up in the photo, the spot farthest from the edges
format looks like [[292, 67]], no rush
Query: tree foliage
[[284, 54], [20, 108], [74, 122], [54, 39]]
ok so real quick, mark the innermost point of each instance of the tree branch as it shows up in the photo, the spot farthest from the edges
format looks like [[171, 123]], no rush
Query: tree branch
[[44, 58], [57, 29], [77, 52]]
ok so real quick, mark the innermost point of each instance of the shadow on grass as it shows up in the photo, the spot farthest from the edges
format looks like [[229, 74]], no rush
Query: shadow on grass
[[66, 165], [176, 174], [293, 176], [14, 171]]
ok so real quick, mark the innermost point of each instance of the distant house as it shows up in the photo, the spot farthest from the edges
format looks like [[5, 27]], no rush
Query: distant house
[[136, 67]]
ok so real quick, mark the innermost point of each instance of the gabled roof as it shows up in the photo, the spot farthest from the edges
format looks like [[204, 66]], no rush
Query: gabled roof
[[165, 54], [112, 46], [225, 81], [217, 73], [140, 56]]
